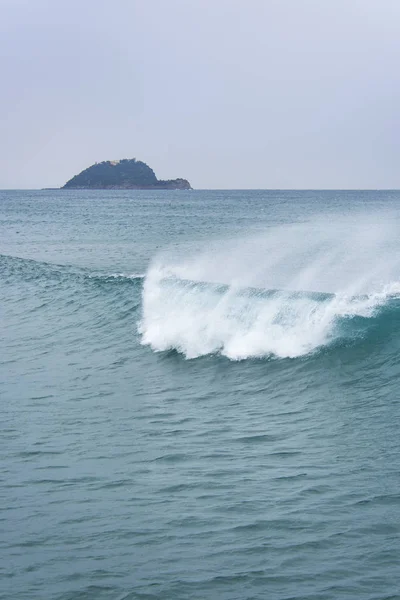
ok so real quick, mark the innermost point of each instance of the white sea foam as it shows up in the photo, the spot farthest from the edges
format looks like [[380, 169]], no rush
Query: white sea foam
[[351, 263]]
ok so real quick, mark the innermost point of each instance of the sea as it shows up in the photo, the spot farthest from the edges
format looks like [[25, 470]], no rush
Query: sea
[[199, 395]]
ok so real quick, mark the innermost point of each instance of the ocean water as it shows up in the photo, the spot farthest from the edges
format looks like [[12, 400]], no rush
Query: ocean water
[[199, 395]]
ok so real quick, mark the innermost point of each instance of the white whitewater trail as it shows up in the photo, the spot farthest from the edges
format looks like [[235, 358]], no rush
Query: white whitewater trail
[[221, 299]]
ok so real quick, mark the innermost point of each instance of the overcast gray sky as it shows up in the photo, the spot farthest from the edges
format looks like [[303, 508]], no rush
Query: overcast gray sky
[[227, 93]]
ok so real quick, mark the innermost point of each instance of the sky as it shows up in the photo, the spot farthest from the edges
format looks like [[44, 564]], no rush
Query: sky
[[226, 93]]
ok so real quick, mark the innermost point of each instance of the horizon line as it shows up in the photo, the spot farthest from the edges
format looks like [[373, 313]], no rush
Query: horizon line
[[300, 189]]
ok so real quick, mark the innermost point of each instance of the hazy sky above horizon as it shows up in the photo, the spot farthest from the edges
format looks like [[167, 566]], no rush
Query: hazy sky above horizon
[[226, 93]]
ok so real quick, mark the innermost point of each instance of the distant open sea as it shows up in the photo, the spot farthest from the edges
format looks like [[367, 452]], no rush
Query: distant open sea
[[199, 395]]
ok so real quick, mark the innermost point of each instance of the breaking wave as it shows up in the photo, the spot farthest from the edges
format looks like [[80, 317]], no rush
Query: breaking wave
[[200, 318], [246, 299]]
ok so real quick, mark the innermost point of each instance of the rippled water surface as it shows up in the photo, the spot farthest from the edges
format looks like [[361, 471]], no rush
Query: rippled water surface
[[199, 395]]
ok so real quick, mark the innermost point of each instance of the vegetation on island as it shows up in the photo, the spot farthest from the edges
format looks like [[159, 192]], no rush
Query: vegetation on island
[[123, 174]]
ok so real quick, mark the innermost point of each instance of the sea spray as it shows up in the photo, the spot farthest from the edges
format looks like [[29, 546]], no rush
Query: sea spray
[[251, 297]]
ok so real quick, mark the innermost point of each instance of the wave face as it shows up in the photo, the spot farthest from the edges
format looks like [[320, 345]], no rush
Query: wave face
[[205, 305]]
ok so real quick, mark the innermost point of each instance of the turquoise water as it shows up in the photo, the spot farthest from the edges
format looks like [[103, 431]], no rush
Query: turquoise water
[[199, 395]]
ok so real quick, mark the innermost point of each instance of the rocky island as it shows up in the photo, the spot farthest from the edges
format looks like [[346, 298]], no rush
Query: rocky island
[[126, 174]]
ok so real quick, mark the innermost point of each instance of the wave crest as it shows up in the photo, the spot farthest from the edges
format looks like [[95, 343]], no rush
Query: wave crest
[[198, 318], [261, 308]]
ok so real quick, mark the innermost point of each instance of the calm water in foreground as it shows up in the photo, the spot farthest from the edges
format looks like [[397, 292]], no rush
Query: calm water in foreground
[[199, 395]]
